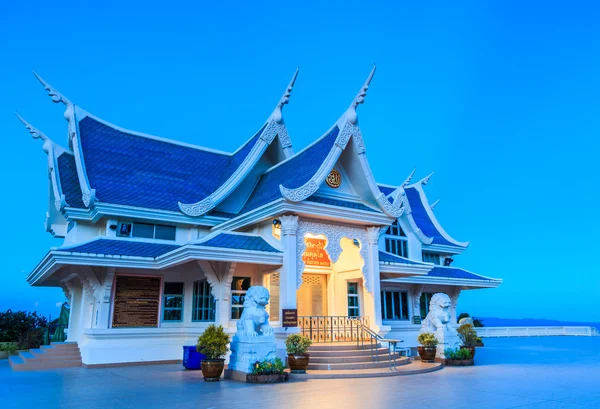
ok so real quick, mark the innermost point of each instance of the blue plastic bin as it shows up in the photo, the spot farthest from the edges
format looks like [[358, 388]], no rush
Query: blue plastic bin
[[191, 357]]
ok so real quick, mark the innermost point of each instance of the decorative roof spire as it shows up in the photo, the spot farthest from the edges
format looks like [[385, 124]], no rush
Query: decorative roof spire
[[285, 98], [359, 98], [432, 206], [36, 133], [408, 179], [52, 92], [425, 180]]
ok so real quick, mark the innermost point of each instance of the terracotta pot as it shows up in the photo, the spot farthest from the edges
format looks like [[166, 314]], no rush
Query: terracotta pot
[[427, 354], [267, 378], [472, 349], [298, 363], [212, 369]]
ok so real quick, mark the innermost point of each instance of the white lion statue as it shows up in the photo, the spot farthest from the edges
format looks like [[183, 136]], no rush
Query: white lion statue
[[255, 319], [439, 316], [439, 321]]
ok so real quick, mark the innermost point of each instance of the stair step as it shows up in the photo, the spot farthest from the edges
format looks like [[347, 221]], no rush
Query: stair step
[[61, 346], [52, 357], [383, 363], [15, 360], [56, 355], [347, 352], [33, 366], [348, 359], [341, 347]]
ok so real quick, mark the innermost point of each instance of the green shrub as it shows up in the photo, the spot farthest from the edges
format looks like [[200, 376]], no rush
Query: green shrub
[[467, 335], [14, 324], [31, 339], [268, 367], [297, 344], [427, 339], [457, 354], [10, 347], [213, 342]]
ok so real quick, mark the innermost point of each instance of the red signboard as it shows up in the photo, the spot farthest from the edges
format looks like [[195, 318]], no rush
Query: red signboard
[[315, 254]]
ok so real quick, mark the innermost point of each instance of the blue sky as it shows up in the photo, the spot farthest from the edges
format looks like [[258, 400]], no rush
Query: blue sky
[[499, 98]]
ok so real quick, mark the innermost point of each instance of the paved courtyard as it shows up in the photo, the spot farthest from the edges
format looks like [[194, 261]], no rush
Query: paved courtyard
[[556, 372]]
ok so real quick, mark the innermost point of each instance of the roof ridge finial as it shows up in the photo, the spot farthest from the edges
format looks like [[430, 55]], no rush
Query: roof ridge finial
[[408, 179], [52, 92], [285, 98], [425, 180], [432, 206], [360, 97], [36, 133]]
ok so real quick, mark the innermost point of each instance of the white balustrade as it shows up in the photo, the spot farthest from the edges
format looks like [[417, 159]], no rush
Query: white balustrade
[[496, 332]]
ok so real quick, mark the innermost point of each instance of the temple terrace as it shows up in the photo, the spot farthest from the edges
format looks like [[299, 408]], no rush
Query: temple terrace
[[163, 238]]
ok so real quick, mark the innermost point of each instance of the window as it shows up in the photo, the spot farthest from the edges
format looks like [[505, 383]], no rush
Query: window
[[274, 300], [394, 305], [396, 241], [425, 299], [353, 306], [147, 231], [239, 287], [203, 309], [429, 257], [173, 302]]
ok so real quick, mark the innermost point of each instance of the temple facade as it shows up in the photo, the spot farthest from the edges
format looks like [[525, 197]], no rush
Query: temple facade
[[163, 238]]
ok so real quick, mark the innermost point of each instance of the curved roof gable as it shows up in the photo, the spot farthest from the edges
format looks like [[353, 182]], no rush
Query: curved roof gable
[[122, 167], [299, 177], [425, 220]]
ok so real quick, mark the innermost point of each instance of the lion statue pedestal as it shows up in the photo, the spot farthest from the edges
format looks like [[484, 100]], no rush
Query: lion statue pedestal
[[438, 321], [254, 339]]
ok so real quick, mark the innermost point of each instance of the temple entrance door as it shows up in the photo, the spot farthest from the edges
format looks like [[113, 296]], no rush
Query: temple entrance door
[[312, 295]]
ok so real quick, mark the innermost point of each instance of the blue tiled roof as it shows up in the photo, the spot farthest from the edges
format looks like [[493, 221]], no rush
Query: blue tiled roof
[[422, 219], [133, 170], [386, 189], [456, 273], [340, 203], [122, 248], [69, 182], [385, 257], [292, 173], [239, 241]]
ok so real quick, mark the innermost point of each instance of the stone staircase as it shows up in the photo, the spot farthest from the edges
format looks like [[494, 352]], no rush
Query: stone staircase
[[347, 357], [55, 355]]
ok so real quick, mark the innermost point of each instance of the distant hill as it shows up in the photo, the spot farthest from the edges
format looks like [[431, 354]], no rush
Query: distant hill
[[532, 322]]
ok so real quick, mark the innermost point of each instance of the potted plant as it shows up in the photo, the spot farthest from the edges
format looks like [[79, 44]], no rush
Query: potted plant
[[458, 357], [428, 346], [468, 336], [267, 371], [296, 346], [213, 345]]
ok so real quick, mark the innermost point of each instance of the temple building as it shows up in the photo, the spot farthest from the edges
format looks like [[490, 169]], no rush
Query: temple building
[[162, 238]]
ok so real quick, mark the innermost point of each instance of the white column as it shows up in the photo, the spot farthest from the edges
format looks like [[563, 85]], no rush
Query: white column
[[219, 275], [103, 302], [87, 308], [374, 277], [416, 301], [75, 311], [454, 298], [289, 273]]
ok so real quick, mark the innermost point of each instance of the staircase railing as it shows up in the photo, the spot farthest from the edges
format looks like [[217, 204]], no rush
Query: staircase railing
[[322, 328], [374, 340]]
